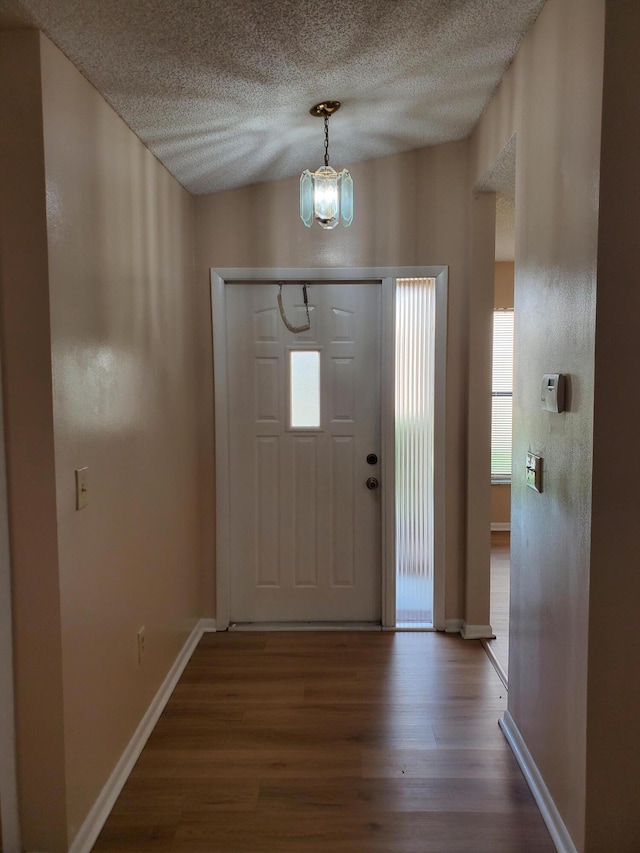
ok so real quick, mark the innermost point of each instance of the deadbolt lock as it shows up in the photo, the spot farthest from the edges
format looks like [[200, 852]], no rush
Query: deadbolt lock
[[372, 459]]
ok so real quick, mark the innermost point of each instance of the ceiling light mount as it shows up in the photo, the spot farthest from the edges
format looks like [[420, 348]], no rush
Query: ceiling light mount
[[325, 108], [326, 195]]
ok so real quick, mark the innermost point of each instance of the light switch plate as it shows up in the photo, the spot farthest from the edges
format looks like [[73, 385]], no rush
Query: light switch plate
[[534, 472], [82, 487]]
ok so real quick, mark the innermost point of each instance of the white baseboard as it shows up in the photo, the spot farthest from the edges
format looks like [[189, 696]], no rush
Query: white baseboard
[[502, 675], [250, 627], [550, 814], [468, 632], [497, 526], [95, 820], [477, 632]]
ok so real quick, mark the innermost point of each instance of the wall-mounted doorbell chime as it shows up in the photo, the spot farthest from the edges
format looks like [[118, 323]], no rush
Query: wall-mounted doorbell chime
[[552, 392]]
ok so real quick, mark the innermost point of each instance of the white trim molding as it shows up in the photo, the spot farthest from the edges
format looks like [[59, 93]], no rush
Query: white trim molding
[[387, 450], [502, 675], [477, 632], [468, 632], [550, 814], [95, 820], [249, 627], [497, 526]]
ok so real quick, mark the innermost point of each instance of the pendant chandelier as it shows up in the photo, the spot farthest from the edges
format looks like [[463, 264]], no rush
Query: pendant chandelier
[[326, 195]]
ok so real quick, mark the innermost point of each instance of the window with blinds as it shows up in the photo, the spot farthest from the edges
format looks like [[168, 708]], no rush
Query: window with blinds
[[502, 396]]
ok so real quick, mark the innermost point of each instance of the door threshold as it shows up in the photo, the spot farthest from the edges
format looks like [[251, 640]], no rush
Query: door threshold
[[305, 626]]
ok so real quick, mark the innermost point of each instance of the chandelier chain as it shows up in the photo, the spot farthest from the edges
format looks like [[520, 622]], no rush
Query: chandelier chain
[[326, 140]]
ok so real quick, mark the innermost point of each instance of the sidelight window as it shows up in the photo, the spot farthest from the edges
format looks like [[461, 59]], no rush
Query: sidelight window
[[414, 425]]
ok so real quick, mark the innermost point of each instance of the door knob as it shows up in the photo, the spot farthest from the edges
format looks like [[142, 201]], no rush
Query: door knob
[[372, 483]]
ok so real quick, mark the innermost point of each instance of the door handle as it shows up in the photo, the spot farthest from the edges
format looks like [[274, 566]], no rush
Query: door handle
[[372, 483]]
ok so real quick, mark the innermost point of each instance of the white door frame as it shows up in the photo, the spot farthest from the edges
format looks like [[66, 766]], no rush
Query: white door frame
[[385, 276]]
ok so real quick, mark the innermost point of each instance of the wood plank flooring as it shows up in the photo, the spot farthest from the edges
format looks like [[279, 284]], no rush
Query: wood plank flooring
[[329, 743]]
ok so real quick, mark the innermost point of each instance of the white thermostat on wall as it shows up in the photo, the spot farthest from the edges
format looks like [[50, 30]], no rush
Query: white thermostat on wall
[[552, 393]]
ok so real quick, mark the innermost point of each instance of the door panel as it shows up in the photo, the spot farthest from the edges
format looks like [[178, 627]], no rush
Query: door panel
[[305, 530]]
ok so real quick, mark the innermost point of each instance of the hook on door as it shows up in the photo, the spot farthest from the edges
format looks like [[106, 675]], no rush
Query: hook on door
[[295, 329]]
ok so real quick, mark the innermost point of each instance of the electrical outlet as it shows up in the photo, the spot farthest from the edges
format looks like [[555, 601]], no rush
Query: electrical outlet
[[141, 643]]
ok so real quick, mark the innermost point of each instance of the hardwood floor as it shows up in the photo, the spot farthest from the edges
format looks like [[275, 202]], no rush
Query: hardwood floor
[[316, 742], [500, 588]]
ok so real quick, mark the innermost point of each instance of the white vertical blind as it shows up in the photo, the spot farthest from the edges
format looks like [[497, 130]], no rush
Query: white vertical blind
[[502, 396], [414, 394]]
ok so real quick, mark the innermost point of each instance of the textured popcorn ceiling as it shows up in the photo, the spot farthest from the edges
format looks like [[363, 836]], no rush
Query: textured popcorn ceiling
[[220, 91]]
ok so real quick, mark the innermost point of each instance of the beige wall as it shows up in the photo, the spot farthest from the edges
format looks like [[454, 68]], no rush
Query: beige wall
[[411, 209], [503, 284], [478, 392], [501, 504], [613, 732], [28, 410], [99, 317], [503, 298], [551, 97]]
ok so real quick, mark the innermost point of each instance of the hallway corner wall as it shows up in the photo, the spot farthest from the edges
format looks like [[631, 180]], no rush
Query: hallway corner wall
[[613, 734], [551, 98], [28, 412], [100, 312]]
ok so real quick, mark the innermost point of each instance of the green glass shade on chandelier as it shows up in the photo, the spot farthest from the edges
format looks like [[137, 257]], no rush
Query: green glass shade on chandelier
[[326, 196]]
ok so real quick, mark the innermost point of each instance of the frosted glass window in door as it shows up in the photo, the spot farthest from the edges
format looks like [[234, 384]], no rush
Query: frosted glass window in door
[[304, 389]]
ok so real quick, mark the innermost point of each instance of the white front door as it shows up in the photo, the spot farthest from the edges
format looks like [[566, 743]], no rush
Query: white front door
[[304, 414]]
